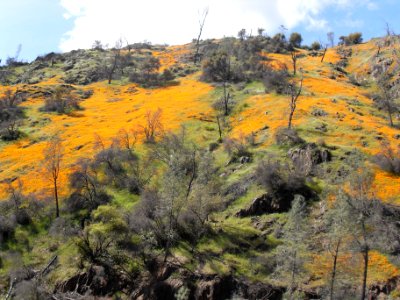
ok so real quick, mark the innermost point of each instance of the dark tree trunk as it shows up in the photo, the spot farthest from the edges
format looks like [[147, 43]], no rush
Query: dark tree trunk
[[292, 284], [56, 198], [365, 273], [323, 55], [290, 118], [219, 129], [390, 115], [226, 100], [333, 275]]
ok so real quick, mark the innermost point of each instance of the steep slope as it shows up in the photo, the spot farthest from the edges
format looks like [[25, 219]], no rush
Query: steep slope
[[332, 112], [110, 109]]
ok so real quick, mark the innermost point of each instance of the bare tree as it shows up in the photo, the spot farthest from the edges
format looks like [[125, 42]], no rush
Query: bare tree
[[325, 50], [331, 38], [202, 21], [294, 91], [128, 46], [97, 45], [294, 56], [220, 69], [388, 95], [112, 62], [242, 34], [52, 158], [153, 126]]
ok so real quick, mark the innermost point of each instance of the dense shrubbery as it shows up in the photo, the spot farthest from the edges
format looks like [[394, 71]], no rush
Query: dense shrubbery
[[11, 114], [276, 80], [352, 39], [233, 60], [282, 180], [388, 159], [61, 100], [288, 137]]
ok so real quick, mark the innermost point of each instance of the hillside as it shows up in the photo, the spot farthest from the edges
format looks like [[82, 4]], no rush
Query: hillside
[[233, 205]]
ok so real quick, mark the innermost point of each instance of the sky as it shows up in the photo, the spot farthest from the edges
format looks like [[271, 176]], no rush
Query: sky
[[43, 26]]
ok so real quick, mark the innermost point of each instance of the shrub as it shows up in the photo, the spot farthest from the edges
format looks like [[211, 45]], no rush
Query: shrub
[[352, 39], [61, 100], [237, 147], [10, 114], [222, 67], [275, 80], [388, 159], [315, 46], [7, 228], [281, 180], [288, 137]]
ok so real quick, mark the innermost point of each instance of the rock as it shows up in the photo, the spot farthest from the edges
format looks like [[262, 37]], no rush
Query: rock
[[265, 204], [263, 291], [310, 151], [97, 280], [323, 128], [317, 112], [215, 288], [244, 159]]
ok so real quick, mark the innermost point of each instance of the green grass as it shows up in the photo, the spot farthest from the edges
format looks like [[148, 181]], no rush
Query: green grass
[[123, 199]]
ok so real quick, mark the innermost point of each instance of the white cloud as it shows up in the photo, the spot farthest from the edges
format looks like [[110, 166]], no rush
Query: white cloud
[[176, 21]]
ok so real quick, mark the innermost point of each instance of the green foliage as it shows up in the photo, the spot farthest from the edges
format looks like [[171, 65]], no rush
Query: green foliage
[[315, 46], [295, 39], [352, 39]]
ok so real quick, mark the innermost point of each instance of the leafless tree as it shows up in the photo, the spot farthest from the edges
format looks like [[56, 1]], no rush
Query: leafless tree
[[112, 64], [388, 95], [128, 46], [325, 50], [294, 56], [153, 126], [202, 21], [52, 158], [294, 91], [331, 38], [242, 34], [127, 139], [220, 66]]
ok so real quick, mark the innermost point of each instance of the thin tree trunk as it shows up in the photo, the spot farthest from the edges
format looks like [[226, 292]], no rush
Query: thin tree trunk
[[56, 198], [226, 100], [201, 23], [293, 274], [323, 56], [294, 61], [365, 273], [294, 67], [219, 129], [333, 275], [390, 117], [290, 119]]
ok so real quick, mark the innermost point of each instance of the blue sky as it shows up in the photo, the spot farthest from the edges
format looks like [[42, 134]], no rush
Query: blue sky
[[42, 26]]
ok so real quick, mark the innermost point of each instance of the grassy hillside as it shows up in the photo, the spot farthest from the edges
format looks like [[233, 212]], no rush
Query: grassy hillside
[[335, 110]]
